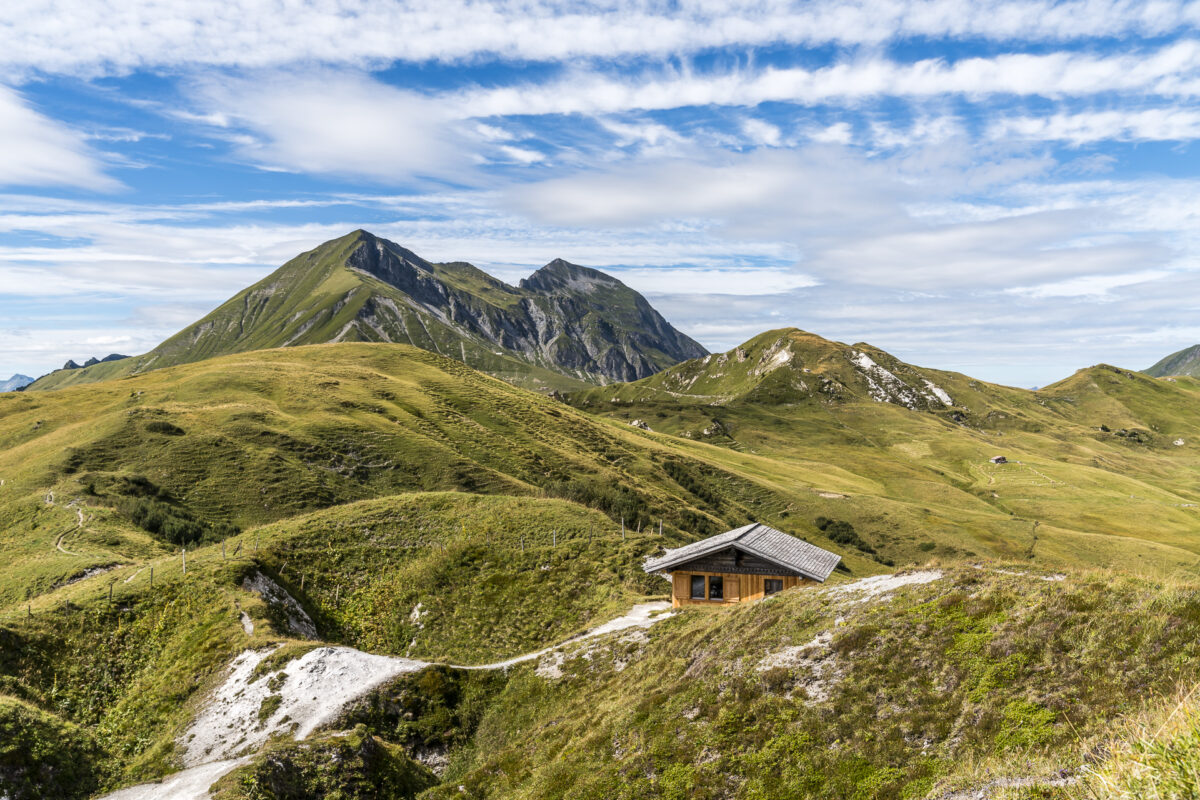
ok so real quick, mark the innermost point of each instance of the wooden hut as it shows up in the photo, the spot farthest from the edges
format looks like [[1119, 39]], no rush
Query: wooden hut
[[741, 565]]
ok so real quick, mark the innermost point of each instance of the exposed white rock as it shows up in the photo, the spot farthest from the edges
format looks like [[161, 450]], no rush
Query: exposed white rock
[[190, 784], [297, 618], [868, 588], [938, 392], [315, 689]]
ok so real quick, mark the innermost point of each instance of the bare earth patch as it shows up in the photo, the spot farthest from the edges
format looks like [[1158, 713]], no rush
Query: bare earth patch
[[877, 585]]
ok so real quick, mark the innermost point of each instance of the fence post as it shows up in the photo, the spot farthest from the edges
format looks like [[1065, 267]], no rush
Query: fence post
[[152, 577], [185, 561], [622, 529], [554, 538], [110, 594], [660, 526]]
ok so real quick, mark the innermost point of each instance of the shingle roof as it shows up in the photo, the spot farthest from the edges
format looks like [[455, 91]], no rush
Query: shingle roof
[[761, 540]]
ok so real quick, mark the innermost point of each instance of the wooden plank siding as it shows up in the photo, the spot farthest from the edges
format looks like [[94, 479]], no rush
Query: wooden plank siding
[[738, 588]]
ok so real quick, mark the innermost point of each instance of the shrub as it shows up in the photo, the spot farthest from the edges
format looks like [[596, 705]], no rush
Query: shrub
[[164, 427], [173, 523], [842, 532]]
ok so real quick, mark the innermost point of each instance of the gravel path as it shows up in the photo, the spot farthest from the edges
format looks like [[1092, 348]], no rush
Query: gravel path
[[315, 689]]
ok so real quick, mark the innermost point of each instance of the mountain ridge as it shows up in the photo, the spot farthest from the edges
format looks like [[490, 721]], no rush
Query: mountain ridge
[[564, 327], [1181, 362], [15, 383]]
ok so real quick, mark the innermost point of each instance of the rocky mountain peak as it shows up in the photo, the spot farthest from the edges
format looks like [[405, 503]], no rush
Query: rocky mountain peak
[[564, 321], [561, 275]]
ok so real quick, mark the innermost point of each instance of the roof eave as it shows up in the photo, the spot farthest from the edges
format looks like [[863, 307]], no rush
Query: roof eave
[[734, 544]]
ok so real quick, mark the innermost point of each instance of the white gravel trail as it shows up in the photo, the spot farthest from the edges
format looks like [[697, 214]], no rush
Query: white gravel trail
[[313, 691]]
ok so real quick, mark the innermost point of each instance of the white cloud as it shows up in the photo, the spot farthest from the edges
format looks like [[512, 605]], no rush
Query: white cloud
[[522, 155], [37, 151], [838, 133], [766, 192], [761, 132], [727, 281], [107, 36], [1172, 70], [335, 122], [1097, 286], [896, 222], [1154, 124]]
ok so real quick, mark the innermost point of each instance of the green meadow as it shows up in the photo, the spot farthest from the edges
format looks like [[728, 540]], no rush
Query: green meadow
[[416, 507]]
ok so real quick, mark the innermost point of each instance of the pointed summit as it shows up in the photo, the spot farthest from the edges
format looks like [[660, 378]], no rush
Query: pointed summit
[[560, 275], [563, 327]]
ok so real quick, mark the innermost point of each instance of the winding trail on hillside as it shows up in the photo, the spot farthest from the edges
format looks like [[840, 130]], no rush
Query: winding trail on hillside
[[317, 688], [58, 544]]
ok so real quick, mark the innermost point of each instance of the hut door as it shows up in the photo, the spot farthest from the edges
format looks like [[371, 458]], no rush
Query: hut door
[[733, 588]]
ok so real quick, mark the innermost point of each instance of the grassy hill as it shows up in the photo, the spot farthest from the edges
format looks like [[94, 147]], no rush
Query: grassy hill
[[564, 327], [997, 679], [415, 507], [1184, 362], [1104, 461], [436, 575]]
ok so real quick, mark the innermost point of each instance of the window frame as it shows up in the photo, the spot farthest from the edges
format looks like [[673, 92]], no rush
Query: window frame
[[703, 587], [716, 582], [767, 591]]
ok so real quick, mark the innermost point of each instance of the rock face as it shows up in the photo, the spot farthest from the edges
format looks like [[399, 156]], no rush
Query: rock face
[[16, 382], [1184, 362], [565, 319], [93, 361]]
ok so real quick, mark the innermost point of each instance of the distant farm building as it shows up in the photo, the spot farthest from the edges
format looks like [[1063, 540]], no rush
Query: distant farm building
[[998, 460], [741, 565]]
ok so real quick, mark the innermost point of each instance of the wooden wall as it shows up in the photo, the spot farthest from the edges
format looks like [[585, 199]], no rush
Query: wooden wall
[[738, 588]]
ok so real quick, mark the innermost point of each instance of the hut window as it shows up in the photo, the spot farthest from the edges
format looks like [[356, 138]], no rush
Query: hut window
[[697, 587], [716, 588], [772, 585]]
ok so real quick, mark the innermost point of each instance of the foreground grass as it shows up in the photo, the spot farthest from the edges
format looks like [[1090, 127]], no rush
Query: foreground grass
[[1156, 756], [115, 682], [968, 678]]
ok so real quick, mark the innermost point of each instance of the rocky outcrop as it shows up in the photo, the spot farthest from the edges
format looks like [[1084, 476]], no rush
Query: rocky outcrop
[[93, 361]]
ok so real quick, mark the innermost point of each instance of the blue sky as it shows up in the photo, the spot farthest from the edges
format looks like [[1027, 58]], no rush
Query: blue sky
[[1010, 190]]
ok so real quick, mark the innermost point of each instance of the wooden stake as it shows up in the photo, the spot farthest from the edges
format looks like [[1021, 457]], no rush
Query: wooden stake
[[622, 529], [110, 594], [185, 561], [660, 526], [554, 538], [30, 609], [337, 592], [222, 551], [302, 577]]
